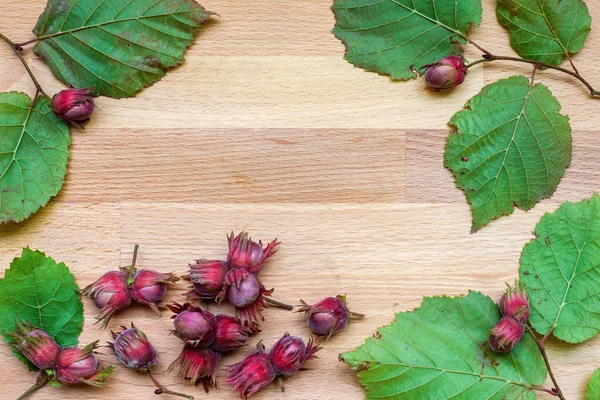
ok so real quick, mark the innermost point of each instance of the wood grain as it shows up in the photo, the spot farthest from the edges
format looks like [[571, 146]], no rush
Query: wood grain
[[267, 128]]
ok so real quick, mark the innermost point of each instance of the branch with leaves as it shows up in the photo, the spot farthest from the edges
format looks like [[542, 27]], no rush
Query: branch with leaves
[[94, 48], [510, 146], [468, 347]]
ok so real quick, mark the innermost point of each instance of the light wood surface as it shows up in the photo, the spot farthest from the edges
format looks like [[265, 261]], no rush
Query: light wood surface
[[267, 128]]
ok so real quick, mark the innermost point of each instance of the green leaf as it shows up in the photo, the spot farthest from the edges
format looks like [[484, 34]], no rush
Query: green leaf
[[439, 351], [399, 37], [548, 31], [510, 147], [34, 151], [38, 290], [593, 391], [561, 271], [116, 47]]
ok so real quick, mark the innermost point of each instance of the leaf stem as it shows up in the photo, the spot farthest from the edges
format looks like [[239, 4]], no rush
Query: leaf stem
[[546, 336], [571, 62], [41, 381], [161, 389], [486, 54], [551, 392], [279, 304], [27, 42], [556, 391], [535, 68], [576, 75], [17, 50]]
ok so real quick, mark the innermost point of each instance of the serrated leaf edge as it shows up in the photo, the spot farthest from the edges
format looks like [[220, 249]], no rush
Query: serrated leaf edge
[[32, 103], [359, 367], [539, 239], [457, 39], [64, 268], [44, 56], [454, 131]]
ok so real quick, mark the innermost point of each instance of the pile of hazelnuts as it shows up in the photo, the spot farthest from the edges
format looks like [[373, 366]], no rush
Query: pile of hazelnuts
[[205, 336]]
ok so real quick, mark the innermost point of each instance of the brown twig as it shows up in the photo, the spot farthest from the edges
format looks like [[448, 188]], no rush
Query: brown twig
[[576, 75], [556, 390], [279, 304], [17, 50]]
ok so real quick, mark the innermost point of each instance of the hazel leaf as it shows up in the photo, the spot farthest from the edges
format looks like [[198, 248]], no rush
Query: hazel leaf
[[561, 270], [34, 151], [593, 389], [509, 147], [593, 392], [548, 31], [116, 47], [399, 37], [439, 351], [37, 289]]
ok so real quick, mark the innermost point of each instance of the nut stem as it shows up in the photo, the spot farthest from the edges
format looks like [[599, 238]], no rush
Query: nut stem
[[279, 304], [135, 255], [355, 315], [41, 381], [163, 389]]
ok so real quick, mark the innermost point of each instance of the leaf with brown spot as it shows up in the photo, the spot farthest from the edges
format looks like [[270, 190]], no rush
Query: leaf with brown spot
[[116, 47], [517, 146], [439, 352]]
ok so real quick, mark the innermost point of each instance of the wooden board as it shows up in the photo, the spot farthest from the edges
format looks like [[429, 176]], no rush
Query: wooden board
[[267, 128]]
